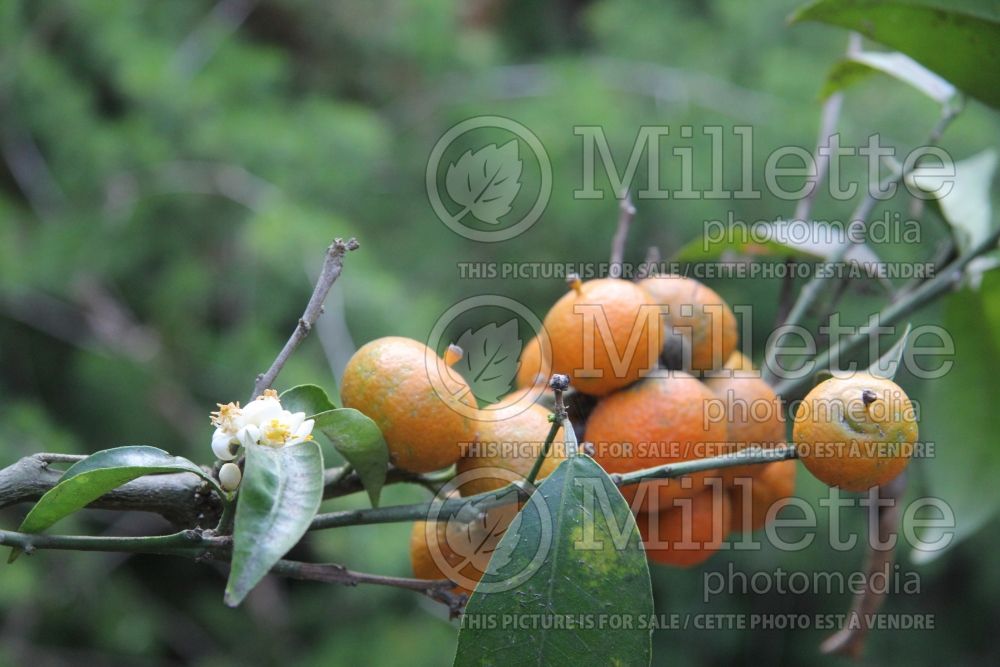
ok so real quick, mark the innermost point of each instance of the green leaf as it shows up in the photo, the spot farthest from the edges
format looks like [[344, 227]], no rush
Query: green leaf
[[573, 551], [802, 240], [308, 398], [897, 65], [359, 440], [959, 40], [887, 365], [961, 422], [280, 494], [964, 198], [96, 475]]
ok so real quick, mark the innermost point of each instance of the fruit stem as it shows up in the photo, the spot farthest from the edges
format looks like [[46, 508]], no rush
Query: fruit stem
[[453, 355], [559, 384], [573, 280]]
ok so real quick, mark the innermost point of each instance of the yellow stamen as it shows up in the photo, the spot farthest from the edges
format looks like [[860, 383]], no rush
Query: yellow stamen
[[277, 432], [225, 416]]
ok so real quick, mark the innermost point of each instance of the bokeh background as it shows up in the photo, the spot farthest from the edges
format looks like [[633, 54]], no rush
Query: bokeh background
[[170, 173]]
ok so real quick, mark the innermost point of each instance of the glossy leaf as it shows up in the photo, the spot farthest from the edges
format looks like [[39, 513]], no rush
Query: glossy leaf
[[360, 442], [574, 551], [308, 398], [887, 365], [281, 493], [960, 420], [965, 198], [897, 65], [96, 475], [957, 39]]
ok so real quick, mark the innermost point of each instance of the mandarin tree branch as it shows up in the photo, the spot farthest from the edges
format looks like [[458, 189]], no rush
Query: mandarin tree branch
[[858, 221], [175, 495], [199, 544], [929, 291], [183, 499], [626, 213], [508, 494], [883, 522], [328, 275]]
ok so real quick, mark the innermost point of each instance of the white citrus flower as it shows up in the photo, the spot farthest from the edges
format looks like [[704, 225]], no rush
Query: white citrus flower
[[227, 420], [263, 421]]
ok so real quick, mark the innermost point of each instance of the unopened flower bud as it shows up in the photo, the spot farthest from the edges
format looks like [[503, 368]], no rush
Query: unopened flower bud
[[230, 476]]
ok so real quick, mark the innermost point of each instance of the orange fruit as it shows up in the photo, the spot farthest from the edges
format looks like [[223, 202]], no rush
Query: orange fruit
[[605, 335], [511, 440], [418, 402], [753, 414], [855, 433], [689, 533], [754, 496], [533, 368], [700, 330], [458, 551], [658, 420], [738, 361]]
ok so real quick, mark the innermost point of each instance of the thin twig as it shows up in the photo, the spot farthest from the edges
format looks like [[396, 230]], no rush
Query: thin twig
[[786, 298], [827, 128], [559, 384], [856, 230], [883, 522], [331, 271], [333, 573], [510, 493], [198, 545], [894, 312], [650, 263], [626, 213], [186, 542], [198, 47]]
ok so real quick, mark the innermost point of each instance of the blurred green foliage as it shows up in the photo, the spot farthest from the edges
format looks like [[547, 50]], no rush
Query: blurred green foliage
[[170, 174]]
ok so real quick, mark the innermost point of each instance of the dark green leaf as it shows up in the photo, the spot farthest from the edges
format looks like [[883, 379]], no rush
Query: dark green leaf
[[308, 398], [958, 40], [280, 494], [574, 551], [960, 420], [96, 475], [887, 365], [359, 440]]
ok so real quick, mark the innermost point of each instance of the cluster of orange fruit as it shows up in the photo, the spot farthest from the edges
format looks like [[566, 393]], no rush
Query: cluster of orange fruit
[[658, 379], [671, 387]]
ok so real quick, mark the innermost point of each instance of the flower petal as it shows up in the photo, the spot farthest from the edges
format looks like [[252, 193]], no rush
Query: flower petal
[[222, 446], [249, 435]]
